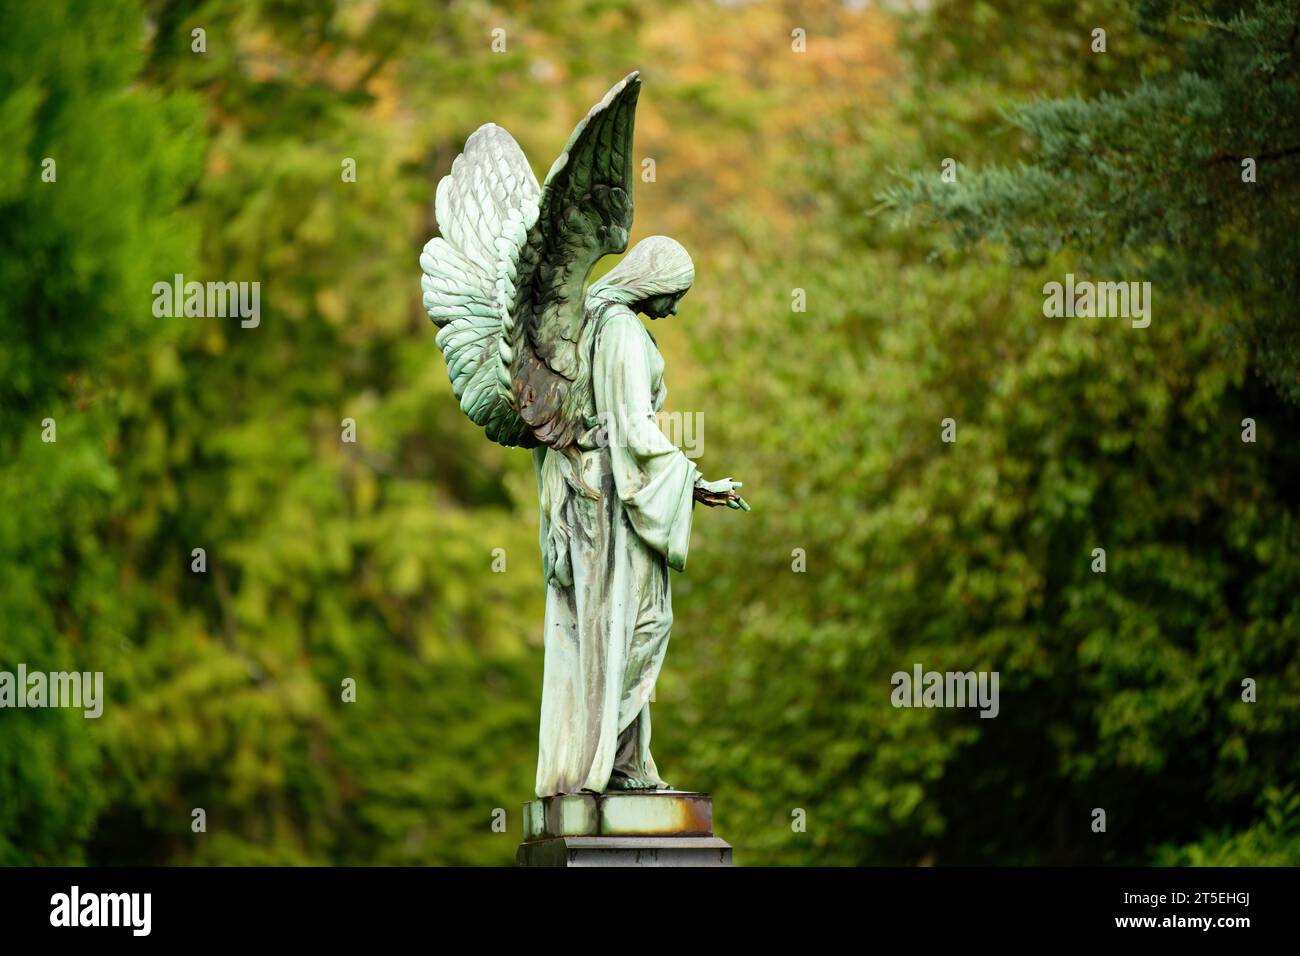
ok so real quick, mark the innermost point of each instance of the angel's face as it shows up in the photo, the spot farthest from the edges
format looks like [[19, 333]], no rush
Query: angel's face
[[660, 305]]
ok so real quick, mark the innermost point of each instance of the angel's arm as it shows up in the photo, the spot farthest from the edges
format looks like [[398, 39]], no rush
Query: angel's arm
[[654, 479]]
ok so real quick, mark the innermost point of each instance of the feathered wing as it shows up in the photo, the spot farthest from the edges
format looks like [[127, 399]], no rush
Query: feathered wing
[[585, 213], [486, 208]]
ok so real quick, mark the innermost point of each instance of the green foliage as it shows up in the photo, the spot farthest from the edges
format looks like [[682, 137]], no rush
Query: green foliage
[[1120, 691], [372, 561], [1152, 175], [1273, 840], [77, 256]]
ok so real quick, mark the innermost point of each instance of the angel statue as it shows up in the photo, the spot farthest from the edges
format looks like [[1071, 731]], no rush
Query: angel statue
[[542, 361]]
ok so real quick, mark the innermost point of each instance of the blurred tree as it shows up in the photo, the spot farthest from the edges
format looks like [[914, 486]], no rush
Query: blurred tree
[[1186, 173], [1120, 691], [92, 170], [329, 560]]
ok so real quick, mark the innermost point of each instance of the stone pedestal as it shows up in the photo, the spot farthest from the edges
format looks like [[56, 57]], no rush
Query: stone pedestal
[[638, 828]]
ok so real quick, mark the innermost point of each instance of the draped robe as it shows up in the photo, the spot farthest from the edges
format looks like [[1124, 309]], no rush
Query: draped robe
[[606, 562]]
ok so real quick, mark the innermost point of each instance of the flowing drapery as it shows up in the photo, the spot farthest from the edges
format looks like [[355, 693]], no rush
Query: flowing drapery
[[606, 562]]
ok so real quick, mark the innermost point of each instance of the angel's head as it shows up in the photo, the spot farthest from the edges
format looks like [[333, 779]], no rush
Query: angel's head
[[651, 279]]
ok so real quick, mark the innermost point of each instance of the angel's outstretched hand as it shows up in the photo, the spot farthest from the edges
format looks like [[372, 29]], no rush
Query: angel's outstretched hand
[[720, 492]]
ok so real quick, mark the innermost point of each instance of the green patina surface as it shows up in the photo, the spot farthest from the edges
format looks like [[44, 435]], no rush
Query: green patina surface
[[540, 360]]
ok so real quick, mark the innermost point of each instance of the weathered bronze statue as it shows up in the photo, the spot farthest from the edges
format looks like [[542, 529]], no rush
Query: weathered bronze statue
[[541, 361]]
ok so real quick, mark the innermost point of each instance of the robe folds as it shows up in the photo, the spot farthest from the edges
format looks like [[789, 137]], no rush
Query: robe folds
[[606, 562]]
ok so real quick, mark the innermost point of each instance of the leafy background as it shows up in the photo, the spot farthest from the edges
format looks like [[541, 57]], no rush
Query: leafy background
[[779, 170]]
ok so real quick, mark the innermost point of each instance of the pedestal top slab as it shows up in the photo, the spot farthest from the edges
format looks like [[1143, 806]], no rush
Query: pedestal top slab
[[619, 813]]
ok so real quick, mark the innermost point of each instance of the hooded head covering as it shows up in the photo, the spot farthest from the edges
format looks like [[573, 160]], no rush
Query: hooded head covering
[[657, 265]]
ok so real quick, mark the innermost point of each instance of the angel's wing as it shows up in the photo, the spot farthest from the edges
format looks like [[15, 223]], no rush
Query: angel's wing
[[585, 213], [485, 209]]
